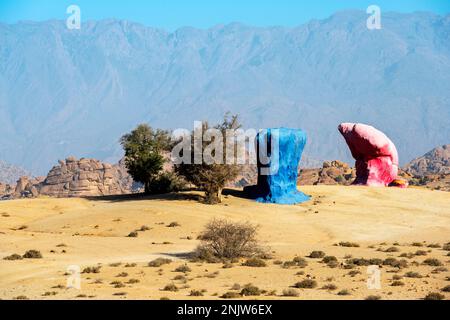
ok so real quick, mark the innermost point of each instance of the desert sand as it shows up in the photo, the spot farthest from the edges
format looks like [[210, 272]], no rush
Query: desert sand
[[92, 232]]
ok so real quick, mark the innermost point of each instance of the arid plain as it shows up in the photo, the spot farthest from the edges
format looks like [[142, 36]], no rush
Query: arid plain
[[411, 225]]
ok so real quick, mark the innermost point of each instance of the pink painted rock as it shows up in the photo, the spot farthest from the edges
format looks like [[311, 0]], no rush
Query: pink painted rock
[[375, 154]]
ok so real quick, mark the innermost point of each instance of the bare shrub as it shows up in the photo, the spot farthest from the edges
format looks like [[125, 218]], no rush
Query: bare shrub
[[317, 255], [255, 262], [14, 256], [159, 262], [433, 262], [290, 292], [434, 296], [231, 295], [32, 254], [306, 284], [170, 287], [222, 239], [250, 290]]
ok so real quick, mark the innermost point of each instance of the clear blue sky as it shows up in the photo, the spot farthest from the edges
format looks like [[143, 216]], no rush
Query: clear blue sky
[[172, 14]]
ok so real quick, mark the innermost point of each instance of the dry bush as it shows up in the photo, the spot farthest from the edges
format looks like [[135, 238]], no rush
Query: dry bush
[[412, 274], [32, 254], [170, 287], [397, 283], [224, 240], [348, 244], [373, 298], [255, 262], [196, 293], [159, 262], [250, 290], [122, 275], [14, 256], [173, 225], [446, 247], [392, 249], [330, 287], [317, 255], [344, 292], [133, 234], [446, 289], [434, 296], [306, 284], [95, 269], [231, 295], [183, 268], [433, 262], [290, 292]]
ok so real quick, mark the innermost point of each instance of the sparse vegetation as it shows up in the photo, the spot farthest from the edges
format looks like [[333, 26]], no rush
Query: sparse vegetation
[[348, 244], [173, 225], [231, 295], [446, 289], [343, 292], [317, 255], [14, 256], [133, 234], [32, 254], [170, 287], [373, 297], [196, 293], [330, 287], [412, 274], [434, 296], [250, 290], [183, 268], [255, 262], [433, 262], [397, 283], [306, 284], [392, 249], [94, 269], [159, 262], [290, 292]]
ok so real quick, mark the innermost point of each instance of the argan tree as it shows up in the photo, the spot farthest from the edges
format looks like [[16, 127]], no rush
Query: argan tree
[[211, 178], [144, 149]]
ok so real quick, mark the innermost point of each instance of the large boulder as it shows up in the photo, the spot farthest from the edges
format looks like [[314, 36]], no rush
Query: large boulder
[[85, 177], [375, 154], [277, 178]]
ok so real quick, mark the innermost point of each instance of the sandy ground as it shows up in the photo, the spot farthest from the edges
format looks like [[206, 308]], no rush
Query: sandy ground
[[91, 232]]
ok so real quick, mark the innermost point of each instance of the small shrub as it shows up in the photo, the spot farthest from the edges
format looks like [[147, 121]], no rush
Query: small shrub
[[434, 296], [183, 268], [250, 290], [353, 273], [144, 228], [115, 264], [21, 298], [392, 249], [231, 295], [348, 244], [173, 225], [32, 254], [133, 281], [196, 293], [130, 265], [412, 274], [434, 245], [159, 262], [133, 234], [255, 262], [396, 277], [446, 289], [170, 287], [421, 253], [446, 247], [395, 263], [117, 284], [317, 254], [95, 269], [236, 287], [417, 244], [343, 292], [227, 240], [290, 292], [14, 256], [329, 259], [433, 262], [329, 286], [372, 297], [306, 284], [122, 275], [119, 294], [397, 283]]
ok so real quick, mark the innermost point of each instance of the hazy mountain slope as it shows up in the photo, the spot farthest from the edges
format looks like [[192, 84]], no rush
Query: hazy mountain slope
[[74, 92], [9, 174]]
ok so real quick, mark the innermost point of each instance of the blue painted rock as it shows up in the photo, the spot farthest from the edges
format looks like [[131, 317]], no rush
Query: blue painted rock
[[279, 152]]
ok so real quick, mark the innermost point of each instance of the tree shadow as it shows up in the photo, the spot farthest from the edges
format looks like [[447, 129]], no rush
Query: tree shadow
[[237, 193], [142, 196], [181, 255]]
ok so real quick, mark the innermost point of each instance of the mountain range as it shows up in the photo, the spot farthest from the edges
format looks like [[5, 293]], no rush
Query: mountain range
[[75, 92]]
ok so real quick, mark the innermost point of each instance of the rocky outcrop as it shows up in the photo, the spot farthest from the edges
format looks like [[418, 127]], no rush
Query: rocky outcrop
[[332, 173], [437, 161], [85, 177]]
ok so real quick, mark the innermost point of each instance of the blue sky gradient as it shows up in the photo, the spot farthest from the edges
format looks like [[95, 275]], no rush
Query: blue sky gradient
[[173, 14]]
